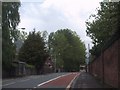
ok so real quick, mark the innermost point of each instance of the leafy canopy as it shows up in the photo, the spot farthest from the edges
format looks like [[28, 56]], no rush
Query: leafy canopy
[[66, 47], [104, 25], [10, 20], [33, 50]]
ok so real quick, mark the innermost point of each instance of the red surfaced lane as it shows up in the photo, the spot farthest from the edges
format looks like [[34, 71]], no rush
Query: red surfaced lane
[[63, 81]]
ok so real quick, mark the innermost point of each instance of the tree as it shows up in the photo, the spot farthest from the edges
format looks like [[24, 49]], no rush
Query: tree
[[10, 19], [21, 35], [33, 50], [104, 25], [1, 32], [66, 47]]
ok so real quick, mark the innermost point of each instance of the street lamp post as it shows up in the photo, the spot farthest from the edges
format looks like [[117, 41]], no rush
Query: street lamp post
[[18, 46], [17, 42]]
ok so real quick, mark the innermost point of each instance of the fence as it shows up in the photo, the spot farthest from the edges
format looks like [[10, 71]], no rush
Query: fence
[[106, 67], [18, 69]]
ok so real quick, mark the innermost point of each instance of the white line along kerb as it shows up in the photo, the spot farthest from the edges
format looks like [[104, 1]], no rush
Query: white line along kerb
[[72, 81]]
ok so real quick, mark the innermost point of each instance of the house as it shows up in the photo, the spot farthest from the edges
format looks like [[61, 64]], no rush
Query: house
[[48, 66]]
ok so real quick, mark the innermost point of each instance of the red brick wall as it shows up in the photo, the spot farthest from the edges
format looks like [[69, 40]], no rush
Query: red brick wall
[[107, 66], [111, 65], [99, 64]]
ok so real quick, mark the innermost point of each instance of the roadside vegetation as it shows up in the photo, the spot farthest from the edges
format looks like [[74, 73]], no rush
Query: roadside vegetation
[[103, 26], [64, 46], [67, 49], [10, 20]]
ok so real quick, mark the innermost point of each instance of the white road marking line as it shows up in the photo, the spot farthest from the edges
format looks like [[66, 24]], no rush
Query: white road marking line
[[52, 80], [7, 80], [69, 85], [9, 84]]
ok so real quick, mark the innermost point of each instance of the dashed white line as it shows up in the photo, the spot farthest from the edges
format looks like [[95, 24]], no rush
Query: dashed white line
[[7, 80], [15, 82], [9, 84]]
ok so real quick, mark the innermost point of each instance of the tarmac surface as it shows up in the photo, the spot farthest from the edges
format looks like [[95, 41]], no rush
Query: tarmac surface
[[56, 81], [29, 81]]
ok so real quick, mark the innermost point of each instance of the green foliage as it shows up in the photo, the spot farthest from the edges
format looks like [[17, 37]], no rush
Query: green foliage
[[33, 50], [10, 19], [104, 25], [30, 66], [21, 35], [66, 47]]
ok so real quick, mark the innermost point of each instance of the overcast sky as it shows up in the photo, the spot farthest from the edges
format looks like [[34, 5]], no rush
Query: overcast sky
[[52, 15]]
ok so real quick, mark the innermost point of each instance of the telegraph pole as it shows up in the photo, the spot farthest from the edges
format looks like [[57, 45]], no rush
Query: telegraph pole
[[88, 53]]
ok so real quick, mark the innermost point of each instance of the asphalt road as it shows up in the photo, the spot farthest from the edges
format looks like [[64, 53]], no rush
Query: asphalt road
[[33, 81], [30, 81]]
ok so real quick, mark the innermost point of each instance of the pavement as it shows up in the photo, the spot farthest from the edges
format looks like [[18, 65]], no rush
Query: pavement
[[87, 81]]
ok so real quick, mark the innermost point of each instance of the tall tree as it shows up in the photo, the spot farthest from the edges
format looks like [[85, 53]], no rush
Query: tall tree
[[0, 33], [104, 24], [33, 50], [67, 48], [10, 19]]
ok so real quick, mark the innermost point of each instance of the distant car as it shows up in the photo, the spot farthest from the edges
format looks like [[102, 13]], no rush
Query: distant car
[[82, 68]]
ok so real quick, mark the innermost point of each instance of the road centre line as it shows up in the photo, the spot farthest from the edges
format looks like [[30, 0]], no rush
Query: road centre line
[[7, 80], [15, 82], [9, 84], [52, 80]]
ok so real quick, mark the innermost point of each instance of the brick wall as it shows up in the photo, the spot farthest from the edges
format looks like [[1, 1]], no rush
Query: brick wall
[[106, 67]]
